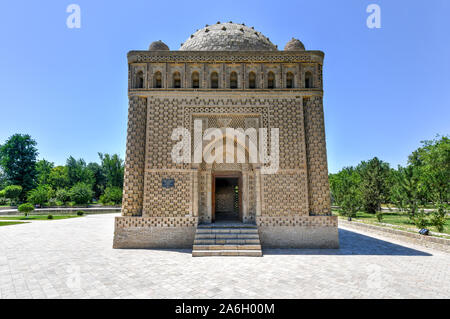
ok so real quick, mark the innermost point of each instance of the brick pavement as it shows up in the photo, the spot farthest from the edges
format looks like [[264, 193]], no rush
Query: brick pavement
[[73, 258]]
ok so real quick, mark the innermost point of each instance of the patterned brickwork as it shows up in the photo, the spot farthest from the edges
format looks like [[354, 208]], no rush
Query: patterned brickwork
[[227, 37], [287, 116], [163, 117], [318, 187], [133, 184], [167, 202], [144, 222], [231, 108], [218, 57], [303, 221], [285, 194], [203, 196], [231, 121], [251, 198], [269, 90], [319, 76]]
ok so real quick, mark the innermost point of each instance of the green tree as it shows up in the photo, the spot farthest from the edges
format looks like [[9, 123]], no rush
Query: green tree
[[25, 208], [112, 195], [405, 191], [78, 172], [374, 184], [345, 187], [40, 195], [99, 179], [433, 162], [18, 161], [59, 177], [113, 169], [3, 180], [62, 195], [81, 193], [13, 192], [43, 170], [439, 216]]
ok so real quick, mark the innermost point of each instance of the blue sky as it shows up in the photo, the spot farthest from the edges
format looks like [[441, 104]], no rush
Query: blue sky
[[385, 89]]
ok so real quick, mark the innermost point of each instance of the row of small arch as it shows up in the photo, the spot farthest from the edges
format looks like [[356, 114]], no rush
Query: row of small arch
[[214, 80]]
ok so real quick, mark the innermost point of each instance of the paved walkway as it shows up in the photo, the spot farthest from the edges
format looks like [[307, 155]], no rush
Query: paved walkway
[[73, 258], [62, 211]]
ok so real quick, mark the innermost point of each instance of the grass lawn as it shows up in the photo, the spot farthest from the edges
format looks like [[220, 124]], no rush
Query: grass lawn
[[38, 217], [11, 223], [395, 218]]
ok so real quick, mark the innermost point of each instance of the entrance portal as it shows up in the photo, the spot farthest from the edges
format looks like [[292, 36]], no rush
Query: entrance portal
[[227, 198]]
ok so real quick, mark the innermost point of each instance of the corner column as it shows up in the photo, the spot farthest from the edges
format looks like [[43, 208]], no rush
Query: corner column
[[244, 193], [316, 157], [258, 190], [195, 191], [209, 192], [133, 183]]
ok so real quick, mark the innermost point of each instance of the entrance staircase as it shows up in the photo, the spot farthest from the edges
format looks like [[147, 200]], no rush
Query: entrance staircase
[[227, 239]]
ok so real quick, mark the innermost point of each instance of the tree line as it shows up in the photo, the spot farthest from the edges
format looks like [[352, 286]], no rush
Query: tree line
[[23, 178], [423, 182]]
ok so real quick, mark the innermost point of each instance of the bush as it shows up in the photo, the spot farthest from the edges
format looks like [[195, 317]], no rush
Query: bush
[[81, 194], [26, 208], [111, 195], [3, 200], [52, 202], [58, 203], [80, 213], [62, 195], [40, 195], [13, 192], [438, 218], [379, 215], [50, 217], [420, 220]]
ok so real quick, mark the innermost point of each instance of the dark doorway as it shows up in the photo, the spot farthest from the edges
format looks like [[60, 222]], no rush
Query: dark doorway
[[226, 199]]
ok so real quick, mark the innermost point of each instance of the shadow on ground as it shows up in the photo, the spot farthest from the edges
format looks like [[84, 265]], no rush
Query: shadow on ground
[[352, 243]]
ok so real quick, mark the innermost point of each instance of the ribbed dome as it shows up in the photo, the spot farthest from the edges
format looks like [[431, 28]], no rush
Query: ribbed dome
[[294, 45], [227, 37], [158, 46]]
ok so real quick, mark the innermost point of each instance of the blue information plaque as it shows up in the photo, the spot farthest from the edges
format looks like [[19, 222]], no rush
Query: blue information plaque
[[168, 182]]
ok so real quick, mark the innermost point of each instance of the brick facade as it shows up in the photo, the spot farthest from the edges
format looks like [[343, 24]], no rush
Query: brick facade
[[165, 94]]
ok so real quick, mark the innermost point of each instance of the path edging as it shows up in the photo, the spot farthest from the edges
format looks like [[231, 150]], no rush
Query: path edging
[[427, 241], [66, 211]]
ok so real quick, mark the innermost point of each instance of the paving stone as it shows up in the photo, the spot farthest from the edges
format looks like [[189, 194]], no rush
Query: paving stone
[[38, 259]]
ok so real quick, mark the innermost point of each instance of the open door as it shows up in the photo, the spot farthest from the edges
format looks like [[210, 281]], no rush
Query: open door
[[226, 196]]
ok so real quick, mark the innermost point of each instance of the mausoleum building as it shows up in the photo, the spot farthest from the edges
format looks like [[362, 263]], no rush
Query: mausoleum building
[[226, 75]]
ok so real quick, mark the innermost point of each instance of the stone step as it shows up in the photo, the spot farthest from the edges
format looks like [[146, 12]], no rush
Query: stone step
[[226, 247], [227, 239], [233, 252], [225, 235], [234, 241], [235, 238], [227, 230], [226, 225]]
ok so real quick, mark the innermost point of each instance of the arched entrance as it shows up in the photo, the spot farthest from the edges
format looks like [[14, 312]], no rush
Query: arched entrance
[[227, 191]]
